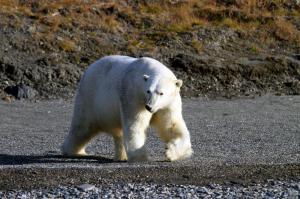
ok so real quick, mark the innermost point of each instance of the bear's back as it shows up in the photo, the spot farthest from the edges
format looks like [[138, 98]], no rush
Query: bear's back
[[116, 67], [106, 70], [114, 63]]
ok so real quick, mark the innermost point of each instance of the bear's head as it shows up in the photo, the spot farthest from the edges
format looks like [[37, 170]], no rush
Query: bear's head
[[160, 92]]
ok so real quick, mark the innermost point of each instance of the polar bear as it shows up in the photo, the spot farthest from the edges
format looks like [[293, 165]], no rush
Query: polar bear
[[122, 96]]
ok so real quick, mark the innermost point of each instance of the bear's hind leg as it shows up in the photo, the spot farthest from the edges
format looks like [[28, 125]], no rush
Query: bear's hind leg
[[120, 152], [77, 139]]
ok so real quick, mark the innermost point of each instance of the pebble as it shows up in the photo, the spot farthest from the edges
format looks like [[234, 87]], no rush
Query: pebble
[[86, 187], [270, 189]]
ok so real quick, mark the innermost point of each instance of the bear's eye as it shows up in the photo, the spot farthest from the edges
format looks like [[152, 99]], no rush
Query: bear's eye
[[161, 93], [148, 91]]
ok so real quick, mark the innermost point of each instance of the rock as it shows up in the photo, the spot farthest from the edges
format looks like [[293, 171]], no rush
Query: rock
[[20, 91], [32, 29], [7, 98], [204, 190], [292, 193], [294, 3], [86, 187], [296, 56]]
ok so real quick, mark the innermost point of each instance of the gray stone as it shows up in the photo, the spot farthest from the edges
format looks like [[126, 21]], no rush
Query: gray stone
[[86, 187], [20, 91]]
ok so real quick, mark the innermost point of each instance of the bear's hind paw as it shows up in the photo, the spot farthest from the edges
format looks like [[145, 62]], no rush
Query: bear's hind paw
[[77, 153], [120, 158]]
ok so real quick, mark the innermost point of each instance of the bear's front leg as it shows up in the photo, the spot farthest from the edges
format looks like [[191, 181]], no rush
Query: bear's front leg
[[179, 147], [135, 136], [172, 129]]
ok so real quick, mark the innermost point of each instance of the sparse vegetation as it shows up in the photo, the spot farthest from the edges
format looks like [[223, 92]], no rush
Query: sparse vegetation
[[67, 45], [254, 49], [286, 31], [172, 16], [197, 45], [211, 43]]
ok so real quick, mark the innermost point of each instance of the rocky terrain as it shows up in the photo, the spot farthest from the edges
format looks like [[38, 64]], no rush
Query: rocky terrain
[[219, 48], [270, 189]]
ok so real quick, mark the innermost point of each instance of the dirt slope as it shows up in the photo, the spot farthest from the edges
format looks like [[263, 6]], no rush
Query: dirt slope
[[219, 48]]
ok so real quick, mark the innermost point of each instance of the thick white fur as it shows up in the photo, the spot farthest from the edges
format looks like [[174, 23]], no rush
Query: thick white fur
[[111, 98]]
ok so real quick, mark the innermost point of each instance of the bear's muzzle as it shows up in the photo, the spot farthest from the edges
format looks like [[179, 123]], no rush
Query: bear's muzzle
[[149, 108]]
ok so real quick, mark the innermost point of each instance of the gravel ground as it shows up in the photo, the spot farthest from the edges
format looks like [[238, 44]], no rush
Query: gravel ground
[[240, 141], [264, 130], [270, 189]]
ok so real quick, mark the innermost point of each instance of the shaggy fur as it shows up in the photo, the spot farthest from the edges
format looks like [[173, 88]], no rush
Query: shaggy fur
[[122, 96]]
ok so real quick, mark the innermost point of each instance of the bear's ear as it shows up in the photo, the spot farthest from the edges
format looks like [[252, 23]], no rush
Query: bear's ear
[[178, 83], [146, 77]]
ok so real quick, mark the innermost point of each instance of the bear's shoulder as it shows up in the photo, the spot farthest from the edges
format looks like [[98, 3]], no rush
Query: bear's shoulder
[[157, 67]]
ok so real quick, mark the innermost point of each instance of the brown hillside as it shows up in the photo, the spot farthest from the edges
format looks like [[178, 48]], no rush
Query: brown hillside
[[219, 48]]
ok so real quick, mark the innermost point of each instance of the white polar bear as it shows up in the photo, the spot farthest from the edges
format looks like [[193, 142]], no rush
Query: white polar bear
[[122, 96]]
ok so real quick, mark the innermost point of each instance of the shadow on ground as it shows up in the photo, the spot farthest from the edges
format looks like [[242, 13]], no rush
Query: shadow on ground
[[7, 159]]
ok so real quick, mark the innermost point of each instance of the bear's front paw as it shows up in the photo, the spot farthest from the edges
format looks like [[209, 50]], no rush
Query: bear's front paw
[[178, 153]]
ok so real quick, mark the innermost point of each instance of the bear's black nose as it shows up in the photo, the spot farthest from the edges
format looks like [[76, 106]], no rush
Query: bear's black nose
[[148, 108]]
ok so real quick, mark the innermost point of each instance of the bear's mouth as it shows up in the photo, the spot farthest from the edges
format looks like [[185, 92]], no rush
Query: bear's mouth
[[149, 108]]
